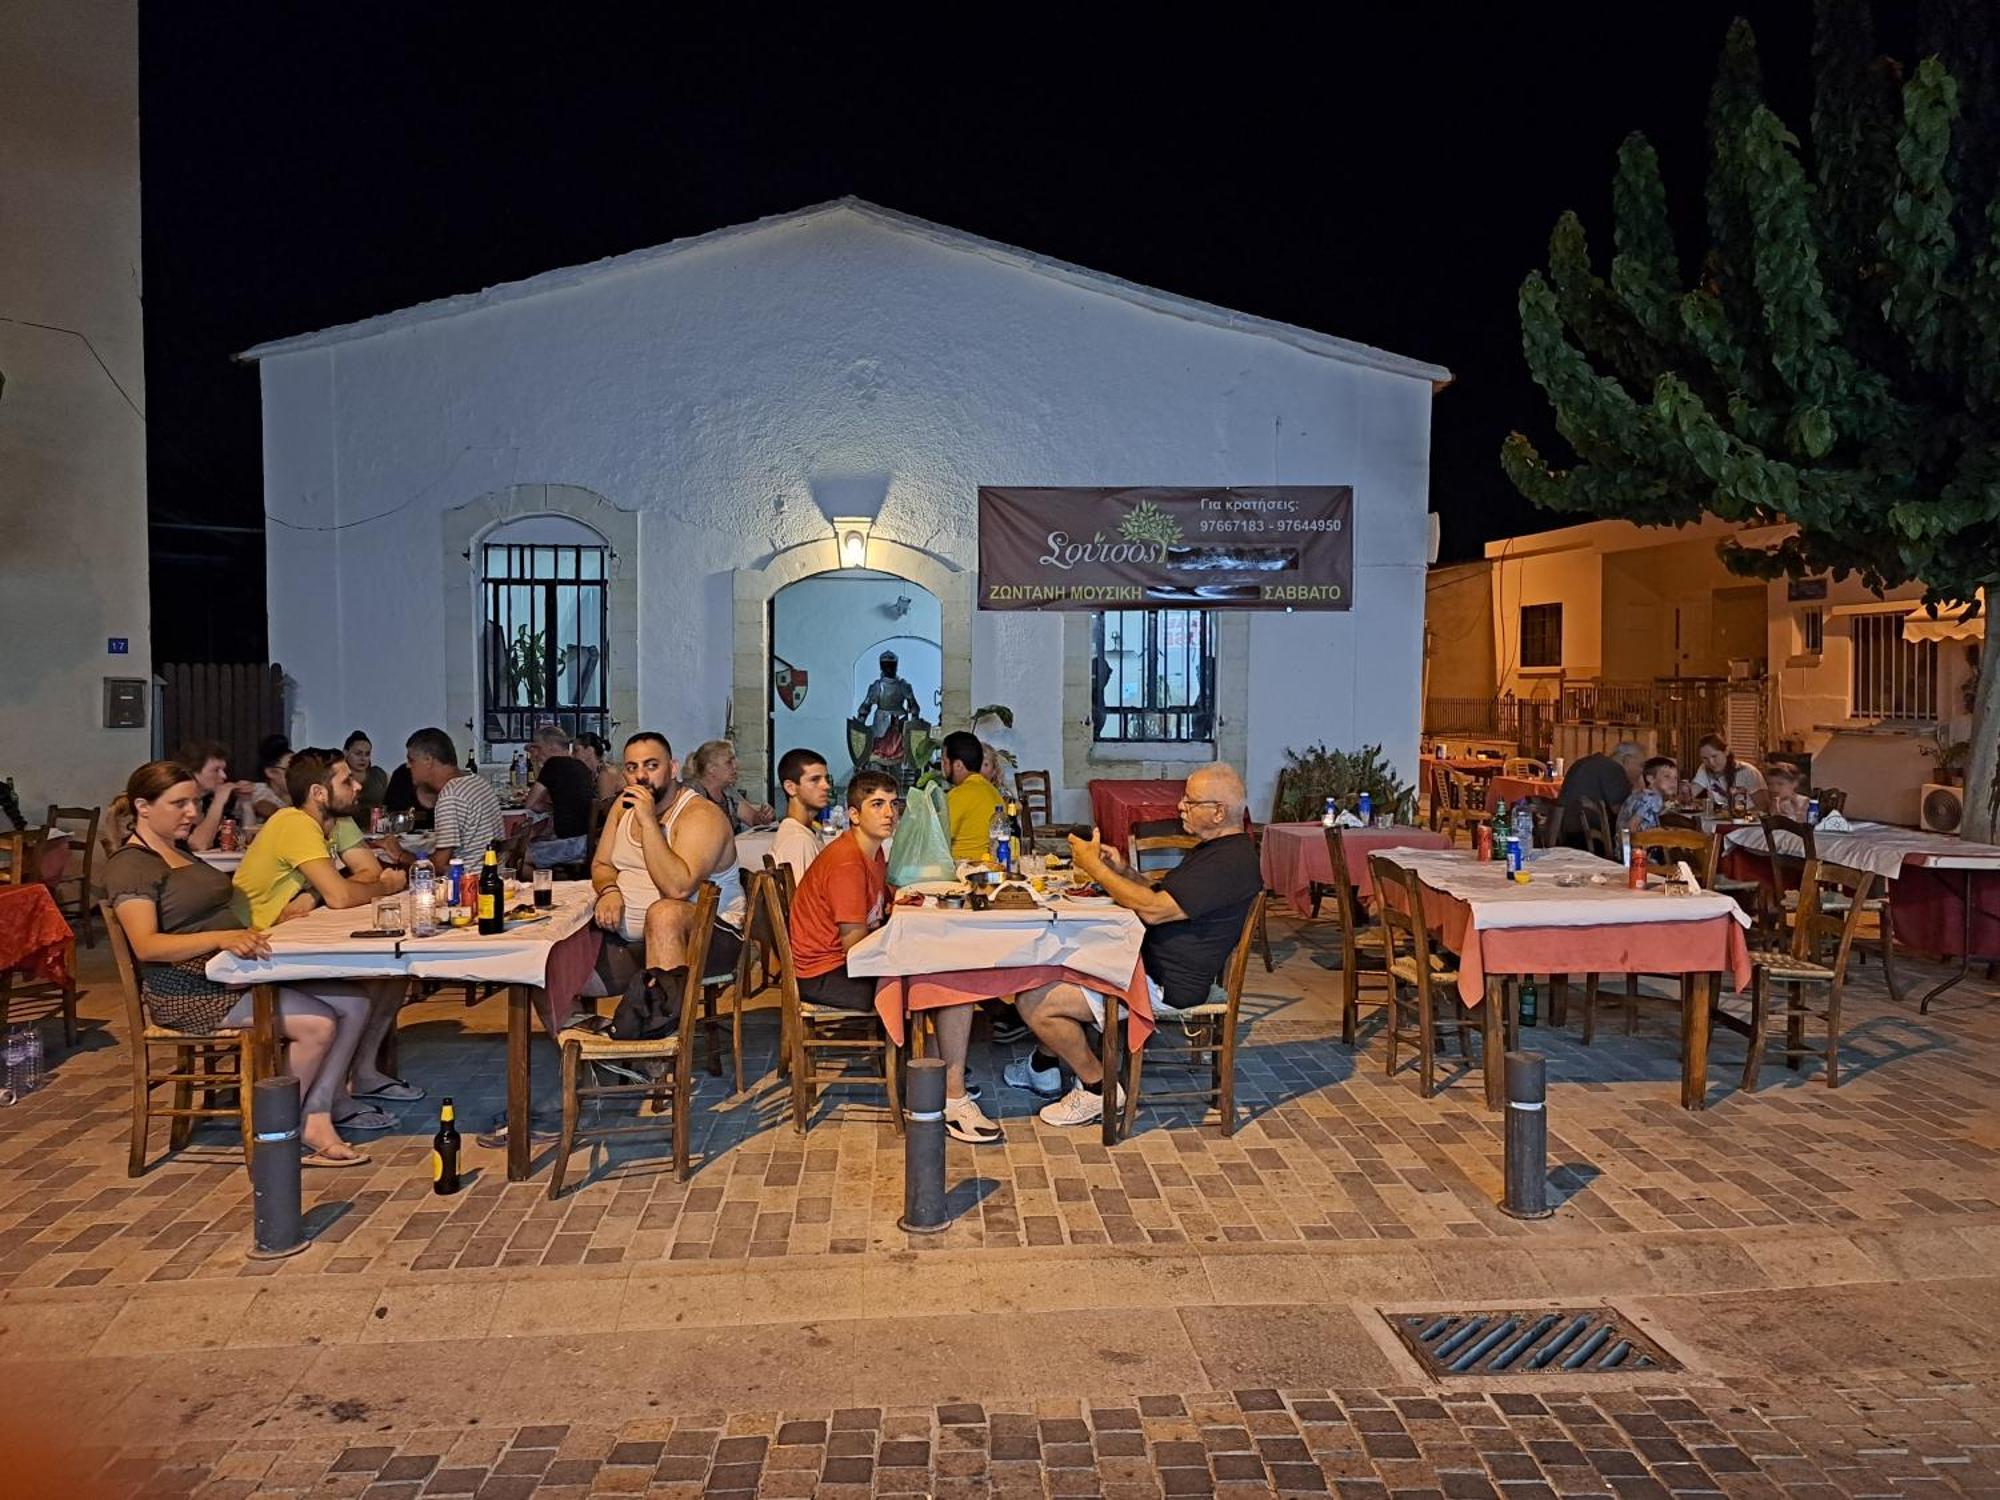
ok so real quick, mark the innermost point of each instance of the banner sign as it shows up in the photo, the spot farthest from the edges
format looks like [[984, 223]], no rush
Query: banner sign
[[1270, 547]]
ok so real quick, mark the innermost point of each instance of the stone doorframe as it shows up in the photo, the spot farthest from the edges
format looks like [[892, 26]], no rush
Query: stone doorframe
[[464, 528], [750, 659]]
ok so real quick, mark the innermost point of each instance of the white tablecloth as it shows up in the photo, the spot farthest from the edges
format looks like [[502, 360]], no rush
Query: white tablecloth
[[1102, 942], [222, 859], [1880, 848], [1497, 902], [317, 946]]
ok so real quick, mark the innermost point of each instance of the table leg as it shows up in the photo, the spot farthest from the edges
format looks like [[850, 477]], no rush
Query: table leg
[[1107, 1057], [1697, 997], [1559, 1000], [264, 1023], [1492, 1045], [1964, 950], [520, 1146]]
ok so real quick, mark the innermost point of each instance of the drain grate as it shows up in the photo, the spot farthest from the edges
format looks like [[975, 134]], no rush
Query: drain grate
[[1564, 1340]]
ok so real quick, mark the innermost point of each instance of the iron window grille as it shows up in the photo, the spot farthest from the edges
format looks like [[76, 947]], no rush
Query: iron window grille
[[543, 637], [1541, 635], [1892, 678], [1153, 676]]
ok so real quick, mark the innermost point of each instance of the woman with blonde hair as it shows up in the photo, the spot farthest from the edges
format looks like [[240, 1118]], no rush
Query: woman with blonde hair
[[176, 913]]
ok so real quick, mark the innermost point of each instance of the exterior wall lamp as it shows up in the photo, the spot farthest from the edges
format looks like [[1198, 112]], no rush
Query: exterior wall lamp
[[850, 534]]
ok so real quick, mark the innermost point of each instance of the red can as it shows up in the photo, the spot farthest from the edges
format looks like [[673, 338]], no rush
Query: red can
[[226, 836], [1482, 839], [1635, 877]]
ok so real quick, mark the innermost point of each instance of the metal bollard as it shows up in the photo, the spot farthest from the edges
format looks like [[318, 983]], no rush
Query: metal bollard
[[1527, 1195], [274, 1169], [924, 1209]]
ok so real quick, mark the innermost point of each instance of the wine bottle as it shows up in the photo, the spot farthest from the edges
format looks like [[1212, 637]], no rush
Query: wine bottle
[[444, 1152], [492, 896]]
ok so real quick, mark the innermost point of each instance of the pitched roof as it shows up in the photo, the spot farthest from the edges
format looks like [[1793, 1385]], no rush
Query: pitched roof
[[1143, 296]]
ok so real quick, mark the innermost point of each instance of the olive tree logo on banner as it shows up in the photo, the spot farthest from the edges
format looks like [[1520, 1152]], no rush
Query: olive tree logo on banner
[[1275, 547]]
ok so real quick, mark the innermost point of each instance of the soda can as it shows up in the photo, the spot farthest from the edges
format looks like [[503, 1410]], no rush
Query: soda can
[[1482, 835], [1812, 810], [1515, 871], [227, 836]]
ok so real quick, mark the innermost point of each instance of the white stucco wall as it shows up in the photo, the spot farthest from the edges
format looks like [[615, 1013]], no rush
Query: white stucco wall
[[72, 449], [739, 392]]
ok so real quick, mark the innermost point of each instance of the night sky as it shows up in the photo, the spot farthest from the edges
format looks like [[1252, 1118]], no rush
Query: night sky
[[1389, 180]]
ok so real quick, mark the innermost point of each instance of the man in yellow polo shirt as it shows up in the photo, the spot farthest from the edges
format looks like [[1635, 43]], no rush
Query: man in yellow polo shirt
[[294, 851], [971, 802]]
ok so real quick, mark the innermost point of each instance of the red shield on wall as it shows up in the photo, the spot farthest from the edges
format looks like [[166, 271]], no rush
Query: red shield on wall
[[789, 682]]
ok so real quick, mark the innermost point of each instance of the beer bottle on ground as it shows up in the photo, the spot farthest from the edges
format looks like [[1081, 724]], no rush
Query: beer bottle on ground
[[444, 1152]]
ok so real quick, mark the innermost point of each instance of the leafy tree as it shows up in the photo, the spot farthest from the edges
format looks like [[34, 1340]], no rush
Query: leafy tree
[[1835, 363]]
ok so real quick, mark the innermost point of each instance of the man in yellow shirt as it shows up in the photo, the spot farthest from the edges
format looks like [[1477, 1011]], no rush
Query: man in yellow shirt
[[970, 803]]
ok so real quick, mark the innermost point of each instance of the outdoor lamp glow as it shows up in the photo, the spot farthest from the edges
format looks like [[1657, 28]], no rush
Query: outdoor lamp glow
[[851, 535]]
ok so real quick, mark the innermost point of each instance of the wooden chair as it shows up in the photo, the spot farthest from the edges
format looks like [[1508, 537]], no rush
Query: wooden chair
[[1547, 819], [1035, 791], [1671, 845], [1831, 800], [513, 859], [197, 1062], [672, 1090], [72, 889], [1415, 976], [1359, 940], [1139, 846], [780, 876], [813, 1032], [1833, 900], [15, 987], [1464, 803], [1524, 765], [1211, 1038], [21, 857], [1751, 892], [1875, 913], [1600, 835]]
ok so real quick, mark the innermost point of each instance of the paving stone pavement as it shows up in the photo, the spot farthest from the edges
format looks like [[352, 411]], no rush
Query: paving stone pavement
[[1340, 1186]]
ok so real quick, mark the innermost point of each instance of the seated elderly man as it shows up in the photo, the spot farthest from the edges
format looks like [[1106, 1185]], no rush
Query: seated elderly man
[[1193, 918], [661, 840], [562, 790]]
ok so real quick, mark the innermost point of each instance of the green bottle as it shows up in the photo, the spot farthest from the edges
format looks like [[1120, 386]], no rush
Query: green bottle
[[1501, 828]]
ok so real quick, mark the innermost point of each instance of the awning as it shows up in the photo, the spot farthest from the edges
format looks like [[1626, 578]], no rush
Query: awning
[[1955, 624], [1869, 607]]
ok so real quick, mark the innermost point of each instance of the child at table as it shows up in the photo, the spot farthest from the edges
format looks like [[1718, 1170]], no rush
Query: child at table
[[1783, 795]]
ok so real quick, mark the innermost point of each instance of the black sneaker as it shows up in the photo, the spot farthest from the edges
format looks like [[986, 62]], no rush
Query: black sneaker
[[1009, 1029]]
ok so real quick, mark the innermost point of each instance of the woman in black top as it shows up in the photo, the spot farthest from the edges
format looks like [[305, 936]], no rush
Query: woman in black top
[[176, 914]]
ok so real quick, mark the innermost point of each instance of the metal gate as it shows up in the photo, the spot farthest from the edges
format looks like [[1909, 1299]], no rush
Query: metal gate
[[238, 703]]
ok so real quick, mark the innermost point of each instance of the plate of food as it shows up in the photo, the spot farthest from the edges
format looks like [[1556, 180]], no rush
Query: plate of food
[[1088, 894], [934, 888]]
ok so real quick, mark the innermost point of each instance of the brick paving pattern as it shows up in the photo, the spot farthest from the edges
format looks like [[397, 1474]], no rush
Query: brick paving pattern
[[1748, 1440]]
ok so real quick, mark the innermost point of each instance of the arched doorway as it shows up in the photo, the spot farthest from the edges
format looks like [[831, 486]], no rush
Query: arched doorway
[[751, 660], [828, 633]]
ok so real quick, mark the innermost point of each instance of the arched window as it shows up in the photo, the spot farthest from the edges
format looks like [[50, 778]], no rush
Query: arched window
[[543, 590]]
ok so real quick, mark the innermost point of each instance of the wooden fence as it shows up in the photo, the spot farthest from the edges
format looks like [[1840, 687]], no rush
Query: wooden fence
[[237, 703]]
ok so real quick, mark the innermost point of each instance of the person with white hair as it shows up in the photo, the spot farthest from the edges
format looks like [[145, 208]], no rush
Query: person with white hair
[[1193, 918], [1608, 779]]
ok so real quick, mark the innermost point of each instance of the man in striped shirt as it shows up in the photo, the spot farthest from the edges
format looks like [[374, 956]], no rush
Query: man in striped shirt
[[467, 817]]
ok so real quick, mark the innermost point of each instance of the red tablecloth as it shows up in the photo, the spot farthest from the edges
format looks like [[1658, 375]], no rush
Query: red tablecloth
[[34, 938], [1295, 855], [1715, 946], [1514, 788], [899, 994], [1116, 805], [1926, 906]]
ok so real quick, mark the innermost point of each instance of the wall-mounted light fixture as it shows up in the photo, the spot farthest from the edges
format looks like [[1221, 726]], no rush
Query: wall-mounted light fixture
[[851, 535]]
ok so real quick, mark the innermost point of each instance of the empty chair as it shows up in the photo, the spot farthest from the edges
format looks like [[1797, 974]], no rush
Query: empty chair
[[1361, 942], [1788, 873], [1524, 765], [1832, 901], [72, 888], [1420, 980]]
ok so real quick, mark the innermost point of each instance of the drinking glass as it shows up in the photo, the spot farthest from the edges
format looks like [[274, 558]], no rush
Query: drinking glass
[[1385, 820], [389, 914], [545, 889]]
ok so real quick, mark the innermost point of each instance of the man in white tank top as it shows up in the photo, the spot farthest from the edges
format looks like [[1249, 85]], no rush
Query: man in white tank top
[[660, 842]]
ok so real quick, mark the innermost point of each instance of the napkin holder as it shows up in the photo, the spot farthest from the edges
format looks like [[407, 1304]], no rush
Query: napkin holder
[[1346, 819], [1833, 822], [1682, 882]]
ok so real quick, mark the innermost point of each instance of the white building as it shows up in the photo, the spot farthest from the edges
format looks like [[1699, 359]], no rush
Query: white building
[[702, 410], [73, 592]]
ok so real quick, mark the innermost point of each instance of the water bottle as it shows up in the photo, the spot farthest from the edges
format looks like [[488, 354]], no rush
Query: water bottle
[[1812, 810], [1364, 809], [1330, 814], [1524, 823], [423, 900], [1000, 840], [23, 1060]]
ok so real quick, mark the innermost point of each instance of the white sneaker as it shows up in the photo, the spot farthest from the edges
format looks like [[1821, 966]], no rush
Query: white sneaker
[[1078, 1107], [965, 1121], [1022, 1073]]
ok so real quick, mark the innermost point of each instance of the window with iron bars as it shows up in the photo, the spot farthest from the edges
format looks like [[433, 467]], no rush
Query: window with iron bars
[[1153, 676], [542, 646], [1541, 635], [1892, 678]]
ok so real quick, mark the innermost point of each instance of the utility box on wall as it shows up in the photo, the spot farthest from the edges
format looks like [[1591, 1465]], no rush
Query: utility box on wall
[[125, 702]]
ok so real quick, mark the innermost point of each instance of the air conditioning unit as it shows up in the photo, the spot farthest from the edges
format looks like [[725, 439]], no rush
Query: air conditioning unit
[[1942, 808]]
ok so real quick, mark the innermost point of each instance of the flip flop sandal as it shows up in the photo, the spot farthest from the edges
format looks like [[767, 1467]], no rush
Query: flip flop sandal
[[321, 1159], [369, 1119], [396, 1091]]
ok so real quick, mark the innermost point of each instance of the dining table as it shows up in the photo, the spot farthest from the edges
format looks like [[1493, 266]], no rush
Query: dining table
[[1943, 890], [1294, 857], [35, 940], [554, 952], [1500, 927], [1117, 805], [1512, 789], [931, 956]]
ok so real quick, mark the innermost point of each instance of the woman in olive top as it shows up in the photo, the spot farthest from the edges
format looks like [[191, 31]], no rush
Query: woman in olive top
[[176, 913]]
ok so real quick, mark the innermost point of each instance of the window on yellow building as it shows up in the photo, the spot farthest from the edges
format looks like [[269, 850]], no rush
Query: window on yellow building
[[1541, 635]]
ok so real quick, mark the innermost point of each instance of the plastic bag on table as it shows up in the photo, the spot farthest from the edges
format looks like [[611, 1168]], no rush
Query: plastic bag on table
[[922, 848]]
